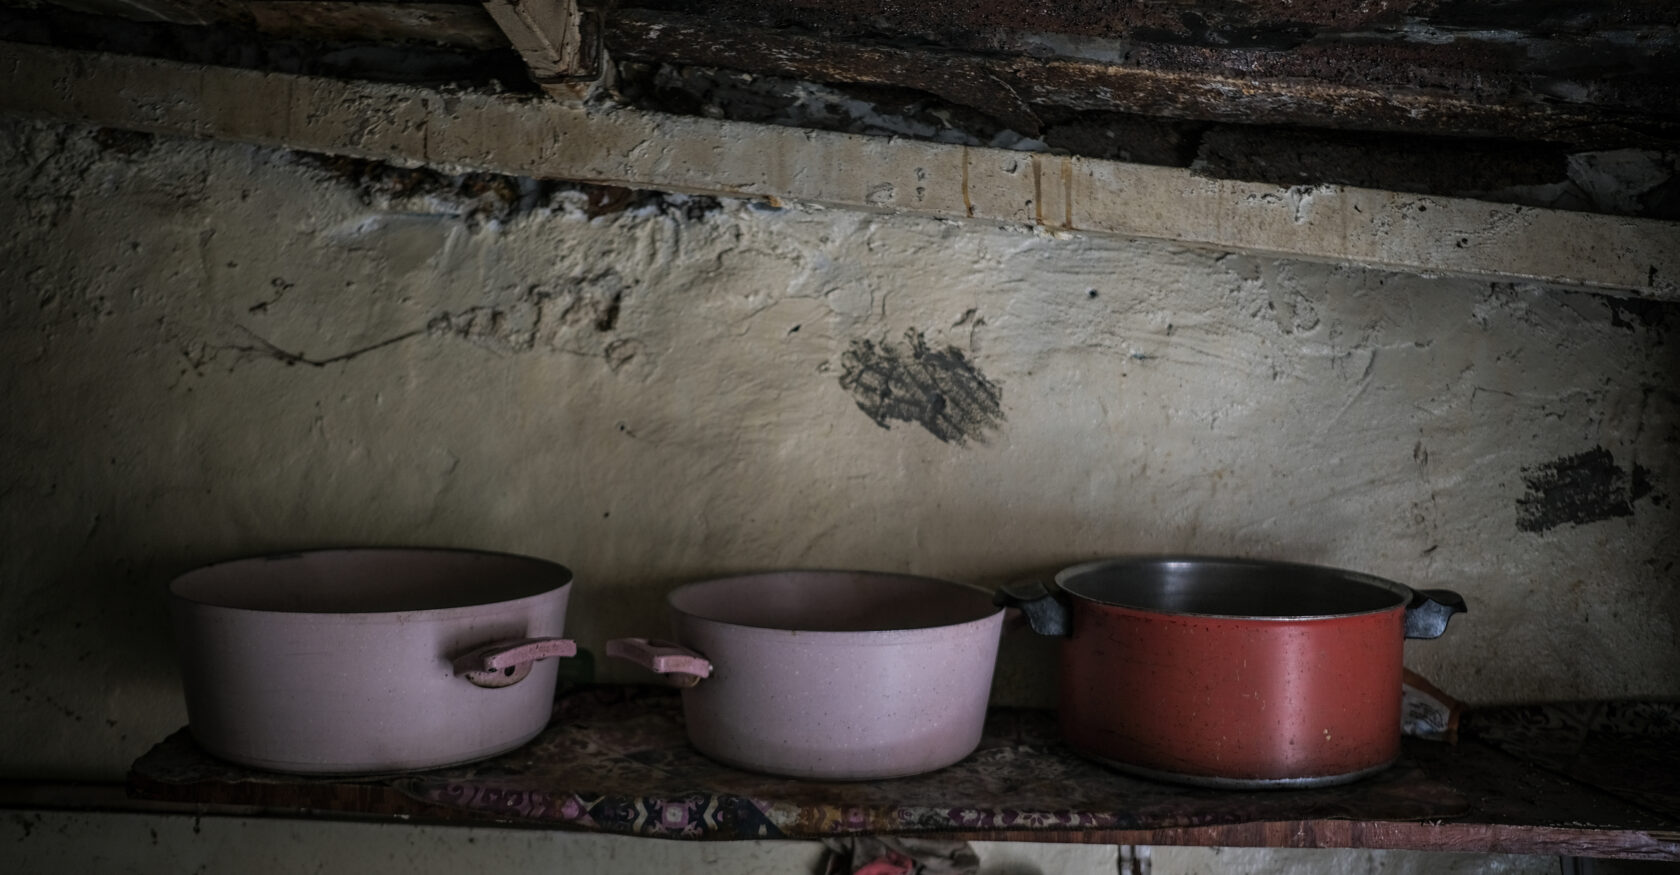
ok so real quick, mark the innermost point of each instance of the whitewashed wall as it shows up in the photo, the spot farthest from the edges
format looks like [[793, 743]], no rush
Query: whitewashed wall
[[214, 350]]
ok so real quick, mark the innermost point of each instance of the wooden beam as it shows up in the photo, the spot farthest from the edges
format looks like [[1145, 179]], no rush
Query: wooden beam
[[447, 24], [465, 26], [172, 11], [552, 139], [1353, 84], [559, 47]]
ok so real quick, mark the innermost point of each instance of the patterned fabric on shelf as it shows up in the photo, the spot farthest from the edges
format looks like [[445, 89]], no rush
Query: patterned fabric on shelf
[[617, 760]]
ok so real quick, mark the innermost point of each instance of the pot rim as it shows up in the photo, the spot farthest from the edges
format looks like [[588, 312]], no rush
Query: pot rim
[[445, 612], [1403, 594], [837, 636]]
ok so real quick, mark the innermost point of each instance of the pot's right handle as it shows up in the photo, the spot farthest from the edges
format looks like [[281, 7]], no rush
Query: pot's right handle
[[681, 666], [1046, 611], [1427, 615], [505, 663]]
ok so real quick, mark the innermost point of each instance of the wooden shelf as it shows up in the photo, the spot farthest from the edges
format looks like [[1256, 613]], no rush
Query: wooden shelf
[[615, 760]]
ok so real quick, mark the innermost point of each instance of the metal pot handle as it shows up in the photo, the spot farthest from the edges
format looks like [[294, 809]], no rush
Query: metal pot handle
[[1046, 611], [1429, 611], [505, 663], [681, 666]]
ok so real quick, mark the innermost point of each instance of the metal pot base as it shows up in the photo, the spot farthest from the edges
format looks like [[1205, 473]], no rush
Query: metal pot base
[[835, 776], [1241, 783]]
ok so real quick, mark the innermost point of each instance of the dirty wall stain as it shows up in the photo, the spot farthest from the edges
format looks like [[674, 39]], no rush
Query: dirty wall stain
[[1584, 488], [937, 389]]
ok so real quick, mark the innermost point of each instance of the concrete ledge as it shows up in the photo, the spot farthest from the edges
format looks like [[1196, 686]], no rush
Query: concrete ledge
[[555, 139]]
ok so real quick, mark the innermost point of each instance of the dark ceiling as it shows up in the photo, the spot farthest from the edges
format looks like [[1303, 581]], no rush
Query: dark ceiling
[[1499, 99]]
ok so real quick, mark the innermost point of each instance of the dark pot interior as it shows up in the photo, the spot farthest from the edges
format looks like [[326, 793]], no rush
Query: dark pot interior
[[1231, 588]]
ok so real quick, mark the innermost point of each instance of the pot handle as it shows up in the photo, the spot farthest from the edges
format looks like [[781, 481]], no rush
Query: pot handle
[[1429, 611], [681, 666], [505, 663], [1046, 611]]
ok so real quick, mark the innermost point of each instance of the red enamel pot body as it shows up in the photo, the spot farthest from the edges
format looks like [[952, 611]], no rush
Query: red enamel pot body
[[1237, 673]]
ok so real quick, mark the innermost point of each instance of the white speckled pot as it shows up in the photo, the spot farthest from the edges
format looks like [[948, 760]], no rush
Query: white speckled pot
[[830, 674], [369, 660]]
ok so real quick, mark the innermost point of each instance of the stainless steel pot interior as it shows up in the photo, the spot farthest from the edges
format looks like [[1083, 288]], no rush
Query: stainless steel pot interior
[[370, 580], [1238, 588], [823, 601]]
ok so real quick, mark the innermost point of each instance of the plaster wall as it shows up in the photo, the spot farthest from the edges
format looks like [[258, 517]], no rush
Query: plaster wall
[[211, 350]]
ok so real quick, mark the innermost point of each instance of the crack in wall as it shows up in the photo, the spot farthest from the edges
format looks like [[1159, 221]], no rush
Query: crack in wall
[[480, 199], [263, 348], [539, 320]]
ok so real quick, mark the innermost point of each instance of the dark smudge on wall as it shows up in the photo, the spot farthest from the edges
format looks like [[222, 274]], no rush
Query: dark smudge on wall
[[1584, 488], [937, 389]]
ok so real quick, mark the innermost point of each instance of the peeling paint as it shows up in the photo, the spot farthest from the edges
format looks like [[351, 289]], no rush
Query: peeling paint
[[1584, 488], [1636, 313]]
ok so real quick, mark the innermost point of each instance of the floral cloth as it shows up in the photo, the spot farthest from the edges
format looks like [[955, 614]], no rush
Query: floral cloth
[[617, 760]]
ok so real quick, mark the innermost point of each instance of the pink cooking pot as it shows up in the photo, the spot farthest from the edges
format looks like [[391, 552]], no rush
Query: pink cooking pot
[[840, 675], [369, 660]]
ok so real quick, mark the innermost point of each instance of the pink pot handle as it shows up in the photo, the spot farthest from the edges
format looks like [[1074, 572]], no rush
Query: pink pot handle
[[681, 666], [505, 663]]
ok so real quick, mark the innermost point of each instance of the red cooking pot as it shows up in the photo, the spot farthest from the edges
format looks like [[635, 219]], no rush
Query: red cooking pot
[[1231, 672]]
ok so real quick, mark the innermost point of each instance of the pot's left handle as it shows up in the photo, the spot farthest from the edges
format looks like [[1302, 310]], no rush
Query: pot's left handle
[[505, 663], [1046, 611], [1429, 611], [681, 666]]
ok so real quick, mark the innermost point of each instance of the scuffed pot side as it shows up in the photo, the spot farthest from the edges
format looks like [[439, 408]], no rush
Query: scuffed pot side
[[338, 694], [1216, 699]]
